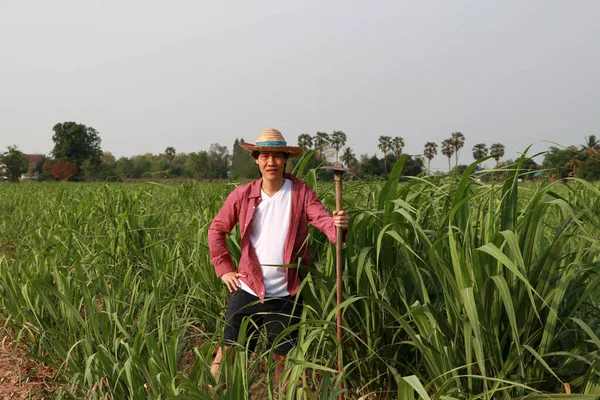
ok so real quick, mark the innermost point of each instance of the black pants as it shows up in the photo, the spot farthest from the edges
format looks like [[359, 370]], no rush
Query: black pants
[[275, 314]]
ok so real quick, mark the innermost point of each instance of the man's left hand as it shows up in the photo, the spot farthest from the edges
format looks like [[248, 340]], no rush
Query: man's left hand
[[340, 219]]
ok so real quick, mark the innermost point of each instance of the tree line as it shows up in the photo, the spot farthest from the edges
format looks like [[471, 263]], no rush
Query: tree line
[[77, 155]]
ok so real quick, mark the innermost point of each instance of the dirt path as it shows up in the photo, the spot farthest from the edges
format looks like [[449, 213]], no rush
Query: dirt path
[[21, 378]]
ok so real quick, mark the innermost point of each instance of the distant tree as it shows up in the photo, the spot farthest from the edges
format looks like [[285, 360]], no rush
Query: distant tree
[[38, 169], [338, 140], [196, 165], [88, 171], [348, 157], [591, 146], [218, 162], [480, 151], [159, 166], [429, 152], [370, 167], [590, 169], [16, 163], [321, 140], [124, 168], [397, 146], [574, 161], [588, 163], [556, 159], [305, 141], [76, 143], [447, 149], [497, 152], [105, 171], [61, 170], [458, 141], [528, 169], [242, 163], [413, 166], [385, 145], [170, 154], [142, 165], [460, 169], [108, 158], [177, 169]]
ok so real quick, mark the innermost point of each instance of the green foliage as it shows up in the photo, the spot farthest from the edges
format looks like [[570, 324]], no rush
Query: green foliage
[[370, 167], [218, 162], [321, 140], [15, 163], [453, 289], [338, 141], [348, 158], [497, 151], [590, 168], [458, 141], [76, 143], [397, 146], [170, 154], [305, 141], [447, 149], [243, 165], [480, 151], [197, 165], [429, 152], [573, 162]]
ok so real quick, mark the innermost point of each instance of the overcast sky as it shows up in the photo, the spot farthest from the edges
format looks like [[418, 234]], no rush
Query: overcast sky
[[149, 74]]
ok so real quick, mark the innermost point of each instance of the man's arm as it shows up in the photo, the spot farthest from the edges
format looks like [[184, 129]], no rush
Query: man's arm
[[222, 224]]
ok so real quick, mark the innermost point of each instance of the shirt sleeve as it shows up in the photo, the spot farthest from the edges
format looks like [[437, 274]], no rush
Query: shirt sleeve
[[222, 224]]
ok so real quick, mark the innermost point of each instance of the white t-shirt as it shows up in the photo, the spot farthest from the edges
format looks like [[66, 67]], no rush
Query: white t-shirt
[[270, 224]]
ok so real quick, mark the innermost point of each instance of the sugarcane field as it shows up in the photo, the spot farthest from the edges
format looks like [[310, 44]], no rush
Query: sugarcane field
[[452, 289], [300, 200]]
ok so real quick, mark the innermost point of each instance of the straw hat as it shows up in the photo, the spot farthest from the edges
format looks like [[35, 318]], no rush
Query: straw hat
[[272, 140]]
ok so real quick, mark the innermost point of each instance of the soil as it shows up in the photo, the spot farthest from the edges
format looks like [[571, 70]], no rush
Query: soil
[[20, 376]]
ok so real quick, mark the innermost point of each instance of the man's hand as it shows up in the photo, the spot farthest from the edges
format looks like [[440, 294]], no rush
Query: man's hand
[[232, 281], [340, 219]]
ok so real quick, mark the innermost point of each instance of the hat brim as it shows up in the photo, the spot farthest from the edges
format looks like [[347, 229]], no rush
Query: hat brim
[[293, 150]]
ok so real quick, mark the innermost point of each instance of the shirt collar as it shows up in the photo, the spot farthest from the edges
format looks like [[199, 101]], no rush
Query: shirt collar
[[257, 185]]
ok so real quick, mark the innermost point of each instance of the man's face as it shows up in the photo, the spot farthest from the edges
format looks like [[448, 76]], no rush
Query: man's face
[[271, 164]]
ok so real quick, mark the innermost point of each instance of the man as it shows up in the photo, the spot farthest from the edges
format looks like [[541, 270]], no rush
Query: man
[[273, 213]]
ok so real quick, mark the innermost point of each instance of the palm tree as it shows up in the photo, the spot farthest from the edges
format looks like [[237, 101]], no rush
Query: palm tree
[[385, 145], [348, 157], [447, 150], [305, 141], [170, 154], [321, 139], [497, 152], [338, 140], [480, 151], [591, 146], [575, 159], [458, 141], [430, 152], [398, 145]]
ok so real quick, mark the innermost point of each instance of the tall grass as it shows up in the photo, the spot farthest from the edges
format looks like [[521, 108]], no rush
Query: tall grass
[[454, 289]]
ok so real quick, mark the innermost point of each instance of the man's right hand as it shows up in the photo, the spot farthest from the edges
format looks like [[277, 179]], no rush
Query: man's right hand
[[232, 281]]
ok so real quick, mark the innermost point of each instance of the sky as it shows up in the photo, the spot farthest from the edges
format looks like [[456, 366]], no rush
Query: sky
[[149, 74]]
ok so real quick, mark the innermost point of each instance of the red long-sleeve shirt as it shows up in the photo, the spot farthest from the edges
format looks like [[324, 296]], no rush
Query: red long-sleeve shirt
[[240, 206]]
